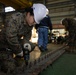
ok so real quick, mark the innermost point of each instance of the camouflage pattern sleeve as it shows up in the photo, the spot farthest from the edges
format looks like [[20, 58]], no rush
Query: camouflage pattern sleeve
[[28, 34], [11, 36]]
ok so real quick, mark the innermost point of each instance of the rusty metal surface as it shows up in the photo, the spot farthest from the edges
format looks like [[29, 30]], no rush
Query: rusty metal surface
[[40, 61], [37, 53], [40, 64], [17, 4]]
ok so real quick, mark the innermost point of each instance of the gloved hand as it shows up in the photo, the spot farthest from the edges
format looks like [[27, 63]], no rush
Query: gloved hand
[[20, 54]]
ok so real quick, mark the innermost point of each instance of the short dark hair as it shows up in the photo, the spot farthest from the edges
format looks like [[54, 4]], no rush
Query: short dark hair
[[29, 10]]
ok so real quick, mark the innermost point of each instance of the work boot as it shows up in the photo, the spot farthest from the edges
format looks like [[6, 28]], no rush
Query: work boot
[[46, 49], [41, 49]]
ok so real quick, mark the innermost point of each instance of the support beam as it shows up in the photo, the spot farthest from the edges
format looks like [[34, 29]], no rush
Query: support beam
[[59, 4], [9, 3], [17, 4]]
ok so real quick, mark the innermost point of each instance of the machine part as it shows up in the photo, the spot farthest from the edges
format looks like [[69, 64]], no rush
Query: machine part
[[26, 55], [27, 46]]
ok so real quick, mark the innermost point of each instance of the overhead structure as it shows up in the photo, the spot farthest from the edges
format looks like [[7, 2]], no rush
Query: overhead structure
[[17, 4]]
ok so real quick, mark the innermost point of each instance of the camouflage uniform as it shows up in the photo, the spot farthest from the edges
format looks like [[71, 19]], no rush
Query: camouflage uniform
[[10, 36], [70, 26]]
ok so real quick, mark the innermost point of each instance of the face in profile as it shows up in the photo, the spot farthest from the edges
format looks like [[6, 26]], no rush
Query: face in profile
[[65, 23], [30, 19]]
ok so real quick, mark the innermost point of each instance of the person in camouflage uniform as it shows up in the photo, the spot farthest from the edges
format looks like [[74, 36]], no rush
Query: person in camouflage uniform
[[15, 34], [70, 26]]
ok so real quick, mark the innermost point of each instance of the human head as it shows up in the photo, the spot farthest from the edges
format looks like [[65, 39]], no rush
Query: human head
[[65, 23], [29, 16], [68, 22], [35, 14]]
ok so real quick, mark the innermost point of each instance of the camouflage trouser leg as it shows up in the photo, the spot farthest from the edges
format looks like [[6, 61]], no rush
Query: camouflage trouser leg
[[20, 64], [7, 62]]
